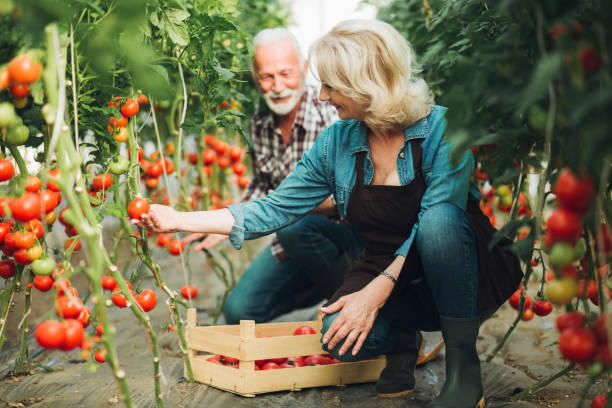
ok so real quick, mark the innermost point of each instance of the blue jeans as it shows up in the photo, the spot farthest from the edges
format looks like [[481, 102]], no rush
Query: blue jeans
[[448, 250], [268, 287]]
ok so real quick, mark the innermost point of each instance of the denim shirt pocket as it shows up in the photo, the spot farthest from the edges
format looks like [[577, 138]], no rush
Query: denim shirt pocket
[[342, 196]]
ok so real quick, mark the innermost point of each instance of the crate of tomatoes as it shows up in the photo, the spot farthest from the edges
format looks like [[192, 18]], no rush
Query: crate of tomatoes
[[249, 358]]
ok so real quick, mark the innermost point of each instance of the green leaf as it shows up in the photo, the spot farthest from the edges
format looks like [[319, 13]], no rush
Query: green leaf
[[37, 92], [225, 73], [177, 31], [523, 248], [161, 71], [115, 210], [154, 19], [509, 230], [216, 22], [177, 15], [548, 68]]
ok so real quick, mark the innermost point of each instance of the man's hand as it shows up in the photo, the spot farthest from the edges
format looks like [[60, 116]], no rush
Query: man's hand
[[160, 218], [209, 242]]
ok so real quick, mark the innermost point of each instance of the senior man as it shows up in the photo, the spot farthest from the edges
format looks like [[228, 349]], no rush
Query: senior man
[[306, 261]]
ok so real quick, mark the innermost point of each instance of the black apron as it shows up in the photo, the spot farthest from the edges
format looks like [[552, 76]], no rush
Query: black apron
[[385, 215]]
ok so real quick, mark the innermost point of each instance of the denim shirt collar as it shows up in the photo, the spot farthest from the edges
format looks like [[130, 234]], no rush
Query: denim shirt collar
[[420, 129]]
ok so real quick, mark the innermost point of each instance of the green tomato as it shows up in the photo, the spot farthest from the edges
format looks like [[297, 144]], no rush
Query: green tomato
[[506, 200], [7, 7], [561, 254], [7, 114], [503, 190], [164, 104], [595, 369], [537, 118], [17, 135], [43, 266], [119, 165]]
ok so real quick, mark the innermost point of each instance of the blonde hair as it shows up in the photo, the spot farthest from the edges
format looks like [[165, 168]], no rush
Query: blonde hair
[[371, 63]]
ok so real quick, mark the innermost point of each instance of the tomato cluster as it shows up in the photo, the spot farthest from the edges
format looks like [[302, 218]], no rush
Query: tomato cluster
[[118, 126]]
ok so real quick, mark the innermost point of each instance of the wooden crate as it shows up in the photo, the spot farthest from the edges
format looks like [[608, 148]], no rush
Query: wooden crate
[[241, 342]]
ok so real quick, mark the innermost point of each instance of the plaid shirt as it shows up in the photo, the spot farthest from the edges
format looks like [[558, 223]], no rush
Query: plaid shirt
[[272, 160]]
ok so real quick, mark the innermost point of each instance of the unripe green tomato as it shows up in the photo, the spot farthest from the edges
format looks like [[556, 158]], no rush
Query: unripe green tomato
[[537, 118], [7, 7], [560, 291], [561, 254], [43, 266], [164, 104], [595, 369], [502, 190], [17, 135], [579, 249], [7, 114], [119, 165], [506, 200]]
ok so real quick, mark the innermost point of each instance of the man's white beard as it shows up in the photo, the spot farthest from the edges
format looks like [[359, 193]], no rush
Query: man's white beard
[[284, 108]]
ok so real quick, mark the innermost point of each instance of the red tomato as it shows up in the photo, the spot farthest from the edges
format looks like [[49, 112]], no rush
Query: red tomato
[[7, 269], [193, 158], [190, 291], [69, 307], [220, 147], [155, 169], [216, 359], [147, 299], [100, 356], [21, 257], [26, 207], [142, 99], [570, 320], [137, 207], [116, 123], [5, 79], [99, 329], [118, 298], [542, 307], [7, 170], [577, 345], [304, 330], [317, 359], [50, 334], [210, 140], [564, 225], [24, 239], [163, 239], [516, 298], [130, 108], [74, 334], [24, 70], [270, 366], [590, 59], [586, 288], [223, 162], [239, 168], [20, 91], [102, 182], [235, 153], [53, 175], [604, 355], [207, 170], [84, 316], [49, 200], [4, 229], [243, 181], [599, 401], [600, 329], [36, 227], [43, 283], [176, 247], [527, 315], [209, 156], [295, 361], [573, 193], [168, 165], [108, 283], [68, 243]]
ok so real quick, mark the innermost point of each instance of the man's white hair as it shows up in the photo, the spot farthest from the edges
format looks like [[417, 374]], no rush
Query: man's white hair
[[274, 35]]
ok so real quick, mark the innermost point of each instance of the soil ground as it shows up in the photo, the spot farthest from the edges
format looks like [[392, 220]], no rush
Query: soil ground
[[529, 356]]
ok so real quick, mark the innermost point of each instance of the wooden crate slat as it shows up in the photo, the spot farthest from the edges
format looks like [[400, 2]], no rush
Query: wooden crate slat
[[282, 346], [212, 341]]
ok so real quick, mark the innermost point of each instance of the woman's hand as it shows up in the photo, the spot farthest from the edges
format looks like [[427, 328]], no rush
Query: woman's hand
[[357, 314], [160, 218]]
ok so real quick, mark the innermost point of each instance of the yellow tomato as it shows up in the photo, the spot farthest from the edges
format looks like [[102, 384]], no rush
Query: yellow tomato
[[121, 136], [561, 291]]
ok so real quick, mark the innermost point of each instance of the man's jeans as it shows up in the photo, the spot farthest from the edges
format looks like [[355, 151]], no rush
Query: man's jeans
[[447, 246], [268, 287]]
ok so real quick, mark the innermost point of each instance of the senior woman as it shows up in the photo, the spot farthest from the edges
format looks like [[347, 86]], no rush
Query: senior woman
[[427, 264]]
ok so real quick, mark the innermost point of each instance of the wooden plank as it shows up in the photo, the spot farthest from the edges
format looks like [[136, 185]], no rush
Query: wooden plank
[[281, 329], [313, 376], [212, 341], [247, 334], [218, 376], [281, 346]]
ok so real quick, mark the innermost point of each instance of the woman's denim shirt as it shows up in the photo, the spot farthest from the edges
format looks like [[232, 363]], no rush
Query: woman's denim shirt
[[329, 168]]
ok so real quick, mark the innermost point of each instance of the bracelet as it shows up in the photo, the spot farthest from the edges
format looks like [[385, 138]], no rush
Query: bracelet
[[388, 275]]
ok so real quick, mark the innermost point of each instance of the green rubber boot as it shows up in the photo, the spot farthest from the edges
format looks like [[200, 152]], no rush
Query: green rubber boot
[[463, 385], [397, 378]]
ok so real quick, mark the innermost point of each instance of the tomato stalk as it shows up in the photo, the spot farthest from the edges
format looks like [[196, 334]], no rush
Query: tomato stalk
[[23, 169], [23, 351], [544, 383], [6, 301]]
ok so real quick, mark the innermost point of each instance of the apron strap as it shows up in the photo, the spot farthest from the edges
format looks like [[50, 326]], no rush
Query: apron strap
[[417, 153], [360, 164]]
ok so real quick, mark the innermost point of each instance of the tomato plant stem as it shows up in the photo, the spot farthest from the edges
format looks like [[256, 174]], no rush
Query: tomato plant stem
[[23, 169], [23, 351], [544, 383], [6, 301]]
